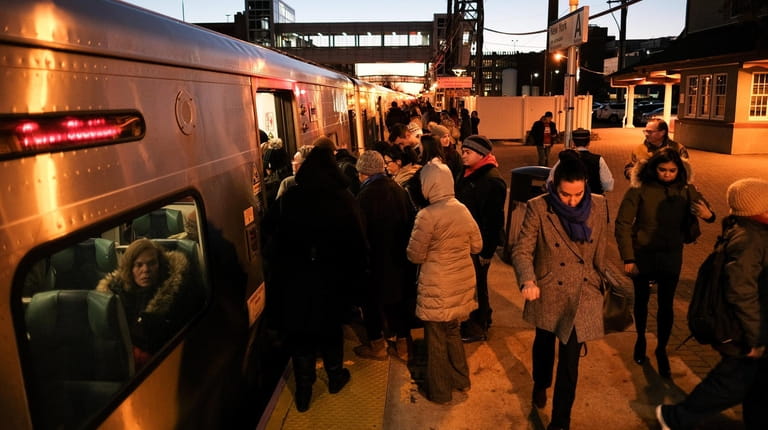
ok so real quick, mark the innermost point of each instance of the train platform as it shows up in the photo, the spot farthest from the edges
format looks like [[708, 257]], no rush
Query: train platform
[[613, 392]]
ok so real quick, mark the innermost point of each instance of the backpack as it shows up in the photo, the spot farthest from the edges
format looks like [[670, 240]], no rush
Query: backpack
[[711, 319]]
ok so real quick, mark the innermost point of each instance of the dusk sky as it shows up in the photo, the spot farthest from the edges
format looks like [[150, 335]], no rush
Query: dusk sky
[[646, 19]]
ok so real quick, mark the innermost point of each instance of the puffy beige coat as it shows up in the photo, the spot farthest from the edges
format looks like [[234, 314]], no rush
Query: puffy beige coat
[[566, 272], [443, 237]]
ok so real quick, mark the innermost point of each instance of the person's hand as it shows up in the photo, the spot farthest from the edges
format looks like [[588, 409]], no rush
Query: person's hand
[[530, 291], [701, 210], [631, 269], [756, 352], [484, 261]]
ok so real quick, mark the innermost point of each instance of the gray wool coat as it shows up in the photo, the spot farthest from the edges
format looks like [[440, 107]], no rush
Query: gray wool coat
[[566, 272]]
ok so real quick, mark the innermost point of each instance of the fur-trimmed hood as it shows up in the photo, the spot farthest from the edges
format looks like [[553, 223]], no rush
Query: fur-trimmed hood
[[165, 294], [642, 165]]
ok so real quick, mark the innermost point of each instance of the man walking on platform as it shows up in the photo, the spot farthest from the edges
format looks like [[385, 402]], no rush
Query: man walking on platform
[[483, 191]]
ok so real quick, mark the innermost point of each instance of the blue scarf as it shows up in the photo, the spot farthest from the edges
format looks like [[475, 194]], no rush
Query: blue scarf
[[574, 220]]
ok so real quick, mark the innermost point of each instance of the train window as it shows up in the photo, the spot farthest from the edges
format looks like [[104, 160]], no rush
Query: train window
[[32, 133], [98, 311]]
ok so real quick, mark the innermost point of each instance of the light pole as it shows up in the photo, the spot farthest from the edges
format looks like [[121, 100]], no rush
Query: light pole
[[534, 75]]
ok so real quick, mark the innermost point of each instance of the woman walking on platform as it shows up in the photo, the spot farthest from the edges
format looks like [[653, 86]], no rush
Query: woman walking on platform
[[650, 239], [557, 258]]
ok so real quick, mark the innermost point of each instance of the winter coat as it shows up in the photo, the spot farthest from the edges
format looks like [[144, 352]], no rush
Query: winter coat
[[316, 249], [388, 220], [444, 237], [566, 272], [645, 150], [746, 268], [651, 214], [156, 315], [483, 192]]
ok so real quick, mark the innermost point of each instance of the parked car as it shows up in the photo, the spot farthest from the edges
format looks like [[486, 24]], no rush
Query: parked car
[[658, 113], [611, 112]]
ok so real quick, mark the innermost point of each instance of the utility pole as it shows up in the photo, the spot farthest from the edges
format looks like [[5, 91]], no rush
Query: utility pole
[[551, 17]]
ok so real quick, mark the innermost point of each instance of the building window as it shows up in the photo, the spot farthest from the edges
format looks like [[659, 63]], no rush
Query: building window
[[691, 96], [758, 102], [718, 95], [705, 92]]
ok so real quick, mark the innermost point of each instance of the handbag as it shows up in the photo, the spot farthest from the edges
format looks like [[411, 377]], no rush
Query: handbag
[[617, 300], [690, 227]]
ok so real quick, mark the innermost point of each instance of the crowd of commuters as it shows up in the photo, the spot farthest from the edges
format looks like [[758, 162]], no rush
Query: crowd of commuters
[[416, 228]]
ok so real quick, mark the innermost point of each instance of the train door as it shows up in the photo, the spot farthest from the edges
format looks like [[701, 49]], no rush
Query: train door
[[274, 113]]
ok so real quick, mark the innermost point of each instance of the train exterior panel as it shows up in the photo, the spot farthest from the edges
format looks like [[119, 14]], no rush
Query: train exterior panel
[[118, 124]]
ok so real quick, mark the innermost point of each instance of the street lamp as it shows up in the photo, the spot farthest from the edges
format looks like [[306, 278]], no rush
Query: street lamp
[[534, 75]]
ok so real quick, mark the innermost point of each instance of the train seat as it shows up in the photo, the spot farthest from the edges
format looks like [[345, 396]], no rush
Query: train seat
[[80, 350], [160, 223], [83, 265]]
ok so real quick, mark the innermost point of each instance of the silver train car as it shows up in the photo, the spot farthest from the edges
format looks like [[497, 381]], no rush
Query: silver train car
[[117, 123]]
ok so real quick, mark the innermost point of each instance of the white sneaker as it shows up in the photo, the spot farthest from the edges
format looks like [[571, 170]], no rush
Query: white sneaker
[[660, 418]]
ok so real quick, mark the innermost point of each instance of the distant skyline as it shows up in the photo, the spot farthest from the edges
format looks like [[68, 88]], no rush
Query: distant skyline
[[646, 19]]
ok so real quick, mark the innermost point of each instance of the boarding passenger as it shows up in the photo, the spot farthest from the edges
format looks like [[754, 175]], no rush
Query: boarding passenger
[[317, 255], [398, 167], [451, 154], [557, 258], [465, 126], [741, 376], [482, 190], [431, 152], [395, 115], [298, 158], [443, 238], [160, 292], [276, 167], [656, 137], [344, 159], [389, 284], [650, 240]]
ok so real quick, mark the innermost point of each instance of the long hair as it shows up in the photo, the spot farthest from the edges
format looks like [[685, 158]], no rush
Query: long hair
[[664, 155], [134, 250], [430, 148]]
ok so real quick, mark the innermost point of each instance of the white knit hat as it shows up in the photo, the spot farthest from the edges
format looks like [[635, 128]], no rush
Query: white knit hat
[[747, 197]]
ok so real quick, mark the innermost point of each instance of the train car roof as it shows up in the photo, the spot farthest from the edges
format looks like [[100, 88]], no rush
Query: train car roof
[[116, 29]]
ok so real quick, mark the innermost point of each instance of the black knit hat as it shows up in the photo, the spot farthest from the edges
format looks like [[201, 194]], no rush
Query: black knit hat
[[479, 144]]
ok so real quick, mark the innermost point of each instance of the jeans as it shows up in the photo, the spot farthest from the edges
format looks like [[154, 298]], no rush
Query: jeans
[[543, 151], [732, 381]]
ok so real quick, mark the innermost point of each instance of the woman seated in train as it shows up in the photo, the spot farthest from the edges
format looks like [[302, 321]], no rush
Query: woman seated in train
[[160, 293]]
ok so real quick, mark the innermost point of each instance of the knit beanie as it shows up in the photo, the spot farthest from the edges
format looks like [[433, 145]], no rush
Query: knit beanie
[[438, 130], [370, 163], [479, 144], [748, 197]]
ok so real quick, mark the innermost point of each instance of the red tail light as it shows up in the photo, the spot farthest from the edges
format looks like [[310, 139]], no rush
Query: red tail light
[[22, 135]]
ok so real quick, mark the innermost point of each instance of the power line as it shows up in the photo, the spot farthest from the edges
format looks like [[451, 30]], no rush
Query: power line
[[597, 15]]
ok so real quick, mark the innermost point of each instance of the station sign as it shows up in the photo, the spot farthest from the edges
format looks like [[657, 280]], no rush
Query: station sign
[[570, 30], [454, 82]]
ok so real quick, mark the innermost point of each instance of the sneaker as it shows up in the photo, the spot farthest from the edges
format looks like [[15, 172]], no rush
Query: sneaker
[[660, 418]]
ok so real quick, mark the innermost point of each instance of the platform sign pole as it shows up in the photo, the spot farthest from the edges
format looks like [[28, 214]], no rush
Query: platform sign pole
[[569, 32]]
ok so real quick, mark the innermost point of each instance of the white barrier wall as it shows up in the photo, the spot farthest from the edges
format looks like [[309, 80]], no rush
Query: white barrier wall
[[508, 118]]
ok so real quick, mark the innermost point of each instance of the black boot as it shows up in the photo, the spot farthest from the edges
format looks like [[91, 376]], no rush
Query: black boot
[[338, 380], [304, 371]]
